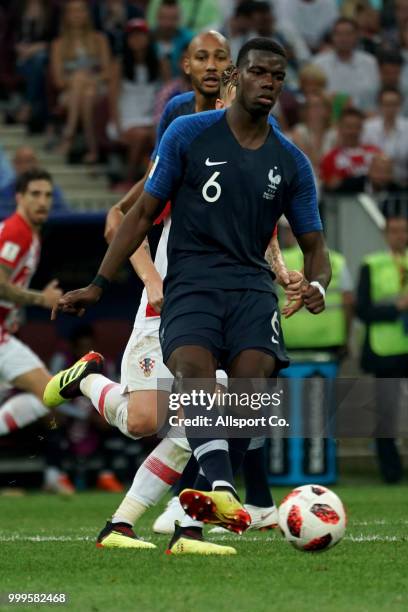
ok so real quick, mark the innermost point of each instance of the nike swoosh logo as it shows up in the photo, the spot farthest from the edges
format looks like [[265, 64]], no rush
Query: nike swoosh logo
[[210, 163]]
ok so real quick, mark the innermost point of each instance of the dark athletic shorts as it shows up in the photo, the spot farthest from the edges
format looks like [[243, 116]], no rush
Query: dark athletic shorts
[[225, 322]]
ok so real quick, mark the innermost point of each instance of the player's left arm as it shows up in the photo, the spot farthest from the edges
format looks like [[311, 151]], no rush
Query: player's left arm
[[302, 212], [317, 270]]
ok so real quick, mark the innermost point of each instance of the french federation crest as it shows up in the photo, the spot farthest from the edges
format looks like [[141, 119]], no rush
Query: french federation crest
[[147, 365], [274, 182]]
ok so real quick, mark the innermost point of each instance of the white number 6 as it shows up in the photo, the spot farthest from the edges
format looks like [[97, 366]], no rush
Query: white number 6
[[212, 183]]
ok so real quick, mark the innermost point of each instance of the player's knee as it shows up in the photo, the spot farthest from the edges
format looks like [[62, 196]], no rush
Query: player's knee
[[141, 423]]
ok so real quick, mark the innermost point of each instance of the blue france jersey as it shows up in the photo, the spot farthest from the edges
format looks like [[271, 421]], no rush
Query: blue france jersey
[[226, 200], [183, 104]]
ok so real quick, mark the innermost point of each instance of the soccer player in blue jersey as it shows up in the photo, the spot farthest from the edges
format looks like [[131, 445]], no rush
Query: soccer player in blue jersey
[[229, 175]]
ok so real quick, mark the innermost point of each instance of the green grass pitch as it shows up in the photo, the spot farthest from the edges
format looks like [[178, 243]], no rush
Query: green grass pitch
[[47, 545]]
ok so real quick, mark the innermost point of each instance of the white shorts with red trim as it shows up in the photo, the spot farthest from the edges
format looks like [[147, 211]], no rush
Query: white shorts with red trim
[[16, 359], [142, 364]]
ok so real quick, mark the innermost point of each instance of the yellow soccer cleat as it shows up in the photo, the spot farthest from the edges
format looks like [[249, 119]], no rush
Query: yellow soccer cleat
[[216, 507], [188, 546], [120, 535], [65, 384], [190, 542]]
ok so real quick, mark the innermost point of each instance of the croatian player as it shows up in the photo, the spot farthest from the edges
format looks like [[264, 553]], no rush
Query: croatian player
[[19, 257], [222, 221]]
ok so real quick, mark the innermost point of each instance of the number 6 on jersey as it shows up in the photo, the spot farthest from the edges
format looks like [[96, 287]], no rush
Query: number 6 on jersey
[[212, 183]]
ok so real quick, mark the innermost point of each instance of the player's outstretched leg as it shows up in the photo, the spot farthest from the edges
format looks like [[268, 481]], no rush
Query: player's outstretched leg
[[188, 540], [65, 385], [120, 535], [160, 470]]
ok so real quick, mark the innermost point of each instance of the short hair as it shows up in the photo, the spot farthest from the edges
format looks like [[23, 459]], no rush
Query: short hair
[[347, 20], [390, 57], [260, 44], [228, 79], [37, 174], [351, 112]]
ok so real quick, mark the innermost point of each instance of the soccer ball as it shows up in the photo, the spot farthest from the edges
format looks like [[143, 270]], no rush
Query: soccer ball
[[312, 518]]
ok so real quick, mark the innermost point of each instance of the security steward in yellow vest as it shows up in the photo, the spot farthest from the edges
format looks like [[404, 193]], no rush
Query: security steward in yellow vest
[[328, 332], [382, 304]]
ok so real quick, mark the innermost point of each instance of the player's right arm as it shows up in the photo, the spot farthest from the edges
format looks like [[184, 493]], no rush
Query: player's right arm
[[162, 182], [115, 215], [47, 298], [144, 267]]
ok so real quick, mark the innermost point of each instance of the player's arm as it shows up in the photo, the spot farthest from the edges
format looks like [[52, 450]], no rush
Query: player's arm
[[47, 298], [133, 229], [162, 182], [116, 213], [144, 267], [317, 270], [302, 212]]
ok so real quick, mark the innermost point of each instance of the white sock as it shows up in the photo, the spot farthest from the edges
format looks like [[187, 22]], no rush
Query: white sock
[[159, 471], [107, 398], [187, 521], [20, 411]]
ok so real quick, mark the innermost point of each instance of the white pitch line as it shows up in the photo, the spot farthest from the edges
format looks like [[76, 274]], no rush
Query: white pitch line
[[351, 538]]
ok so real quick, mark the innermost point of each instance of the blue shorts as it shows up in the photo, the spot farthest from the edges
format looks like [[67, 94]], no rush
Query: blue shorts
[[225, 322]]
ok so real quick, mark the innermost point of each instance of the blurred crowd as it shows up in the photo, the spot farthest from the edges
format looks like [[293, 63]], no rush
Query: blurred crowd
[[94, 76]]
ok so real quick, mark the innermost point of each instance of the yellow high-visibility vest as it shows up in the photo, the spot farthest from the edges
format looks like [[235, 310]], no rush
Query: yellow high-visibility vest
[[305, 330], [386, 338]]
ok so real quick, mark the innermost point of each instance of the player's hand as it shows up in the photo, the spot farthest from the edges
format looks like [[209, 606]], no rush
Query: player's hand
[[312, 299], [154, 290], [113, 220], [293, 288], [291, 307], [76, 302], [282, 275], [51, 294]]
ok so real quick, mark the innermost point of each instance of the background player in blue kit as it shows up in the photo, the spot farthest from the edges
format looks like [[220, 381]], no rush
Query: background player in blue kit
[[230, 175]]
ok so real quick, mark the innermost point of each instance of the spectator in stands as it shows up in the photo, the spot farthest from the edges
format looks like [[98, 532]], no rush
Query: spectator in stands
[[379, 182], [312, 19], [196, 16], [349, 160], [314, 135], [382, 304], [390, 66], [171, 38], [389, 131], [348, 70], [34, 26], [111, 16], [369, 23], [134, 83], [392, 36], [239, 26], [24, 160], [80, 63]]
